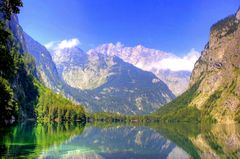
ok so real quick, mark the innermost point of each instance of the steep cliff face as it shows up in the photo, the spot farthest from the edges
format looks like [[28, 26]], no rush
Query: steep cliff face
[[18, 33], [218, 70], [46, 69], [214, 91], [24, 91]]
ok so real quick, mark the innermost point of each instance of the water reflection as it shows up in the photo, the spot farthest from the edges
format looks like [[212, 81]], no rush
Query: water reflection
[[29, 139], [223, 141], [118, 142], [156, 140]]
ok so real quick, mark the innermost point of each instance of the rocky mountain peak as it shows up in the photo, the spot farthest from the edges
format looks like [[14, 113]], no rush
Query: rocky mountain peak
[[147, 59], [101, 76]]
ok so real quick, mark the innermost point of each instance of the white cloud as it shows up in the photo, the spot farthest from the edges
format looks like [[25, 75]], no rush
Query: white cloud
[[68, 43], [54, 45], [185, 63]]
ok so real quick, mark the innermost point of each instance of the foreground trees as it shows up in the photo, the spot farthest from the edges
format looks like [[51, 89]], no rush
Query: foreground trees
[[9, 62], [21, 94]]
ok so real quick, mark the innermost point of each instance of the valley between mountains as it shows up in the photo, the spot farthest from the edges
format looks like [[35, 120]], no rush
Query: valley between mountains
[[113, 78], [98, 98], [123, 80]]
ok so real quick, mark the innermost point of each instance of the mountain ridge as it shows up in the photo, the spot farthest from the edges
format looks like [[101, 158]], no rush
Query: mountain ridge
[[149, 60], [108, 79]]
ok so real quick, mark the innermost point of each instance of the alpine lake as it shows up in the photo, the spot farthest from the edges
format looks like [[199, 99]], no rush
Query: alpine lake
[[119, 140]]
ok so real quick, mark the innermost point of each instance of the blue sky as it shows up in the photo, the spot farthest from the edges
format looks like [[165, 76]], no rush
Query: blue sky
[[169, 25]]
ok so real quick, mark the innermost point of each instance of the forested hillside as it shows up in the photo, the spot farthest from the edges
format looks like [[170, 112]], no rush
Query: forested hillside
[[20, 91]]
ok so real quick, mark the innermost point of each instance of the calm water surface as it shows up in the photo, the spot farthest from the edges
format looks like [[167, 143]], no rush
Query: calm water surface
[[76, 140]]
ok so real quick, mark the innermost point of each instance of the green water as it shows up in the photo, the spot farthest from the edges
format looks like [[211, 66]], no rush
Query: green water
[[118, 140]]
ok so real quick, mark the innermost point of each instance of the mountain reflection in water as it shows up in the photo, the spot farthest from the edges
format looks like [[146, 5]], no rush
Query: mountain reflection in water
[[116, 140]]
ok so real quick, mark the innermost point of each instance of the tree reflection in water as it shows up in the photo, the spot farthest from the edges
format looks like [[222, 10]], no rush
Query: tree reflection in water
[[119, 140]]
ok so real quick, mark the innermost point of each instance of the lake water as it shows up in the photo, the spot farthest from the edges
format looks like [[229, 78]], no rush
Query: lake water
[[118, 140]]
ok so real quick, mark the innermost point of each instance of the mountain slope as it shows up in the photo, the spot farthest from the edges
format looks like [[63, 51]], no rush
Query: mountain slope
[[149, 60], [20, 72], [47, 71], [100, 82], [110, 84], [21, 94], [215, 80]]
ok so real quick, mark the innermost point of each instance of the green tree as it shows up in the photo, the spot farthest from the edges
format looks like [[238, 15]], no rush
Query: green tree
[[9, 61], [8, 7], [8, 106]]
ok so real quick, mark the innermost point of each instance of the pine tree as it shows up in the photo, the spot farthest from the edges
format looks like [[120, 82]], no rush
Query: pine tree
[[9, 61]]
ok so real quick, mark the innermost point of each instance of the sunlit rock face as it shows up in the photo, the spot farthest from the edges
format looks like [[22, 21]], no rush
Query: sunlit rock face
[[111, 84], [218, 71], [80, 70], [150, 60]]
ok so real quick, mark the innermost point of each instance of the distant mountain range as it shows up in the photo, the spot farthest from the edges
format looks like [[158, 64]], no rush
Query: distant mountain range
[[111, 77], [112, 84], [150, 60], [100, 82]]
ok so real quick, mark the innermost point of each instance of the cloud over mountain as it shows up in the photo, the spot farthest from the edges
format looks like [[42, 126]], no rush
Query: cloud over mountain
[[150, 59], [185, 63], [172, 69], [70, 43]]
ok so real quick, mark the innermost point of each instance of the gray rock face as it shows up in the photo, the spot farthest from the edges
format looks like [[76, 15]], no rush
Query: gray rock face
[[79, 70], [111, 84], [148, 60]]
